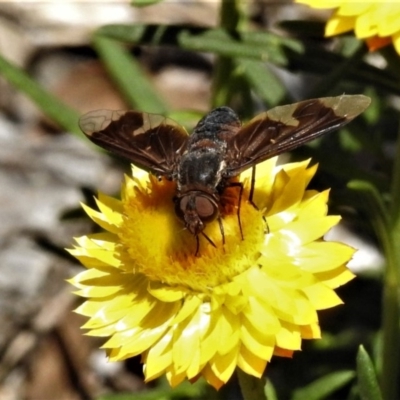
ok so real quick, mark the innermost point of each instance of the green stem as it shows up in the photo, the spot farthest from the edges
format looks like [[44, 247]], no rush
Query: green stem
[[390, 354], [224, 66], [388, 362], [391, 300], [252, 387], [395, 205]]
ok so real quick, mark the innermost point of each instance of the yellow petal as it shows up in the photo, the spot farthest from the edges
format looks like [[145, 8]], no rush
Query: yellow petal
[[289, 190], [396, 41], [229, 333], [257, 342], [147, 314], [111, 203], [166, 293], [104, 331], [296, 233], [269, 292], [186, 342], [321, 296], [159, 356], [305, 312], [85, 275], [223, 365], [337, 277], [264, 181], [312, 331], [260, 316], [110, 208], [314, 206], [211, 378], [324, 256], [250, 363], [354, 8], [190, 305], [175, 379], [366, 26], [289, 337], [321, 3], [338, 24], [387, 19], [283, 352], [104, 312], [100, 219], [96, 291], [210, 341], [279, 220]]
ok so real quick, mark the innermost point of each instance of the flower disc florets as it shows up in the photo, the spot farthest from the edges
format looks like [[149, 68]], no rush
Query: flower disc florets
[[233, 305]]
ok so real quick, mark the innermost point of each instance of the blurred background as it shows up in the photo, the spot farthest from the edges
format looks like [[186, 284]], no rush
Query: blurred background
[[62, 59]]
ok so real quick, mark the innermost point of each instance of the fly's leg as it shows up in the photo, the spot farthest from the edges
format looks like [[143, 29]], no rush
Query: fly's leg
[[240, 186], [221, 228], [198, 243], [252, 183]]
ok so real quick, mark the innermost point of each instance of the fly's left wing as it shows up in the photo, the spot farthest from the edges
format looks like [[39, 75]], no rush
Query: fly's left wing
[[284, 128], [149, 141]]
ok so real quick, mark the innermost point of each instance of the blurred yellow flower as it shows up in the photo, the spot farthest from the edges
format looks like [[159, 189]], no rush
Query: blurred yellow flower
[[377, 22], [235, 305]]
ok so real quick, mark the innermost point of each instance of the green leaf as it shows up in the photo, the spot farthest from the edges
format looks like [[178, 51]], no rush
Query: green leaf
[[269, 391], [220, 42], [366, 376], [185, 390], [262, 80], [263, 46], [371, 201], [325, 386], [144, 3], [55, 109], [147, 34], [250, 386], [258, 45], [128, 76]]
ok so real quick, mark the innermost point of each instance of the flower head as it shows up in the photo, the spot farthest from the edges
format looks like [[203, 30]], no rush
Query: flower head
[[377, 22], [234, 305]]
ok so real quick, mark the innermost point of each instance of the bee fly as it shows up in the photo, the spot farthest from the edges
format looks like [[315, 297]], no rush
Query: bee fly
[[204, 163]]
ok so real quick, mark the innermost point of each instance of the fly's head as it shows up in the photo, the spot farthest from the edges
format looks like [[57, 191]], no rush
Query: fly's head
[[196, 209]]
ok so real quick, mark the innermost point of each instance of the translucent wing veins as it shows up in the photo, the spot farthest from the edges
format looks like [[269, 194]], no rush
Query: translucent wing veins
[[286, 127], [149, 141]]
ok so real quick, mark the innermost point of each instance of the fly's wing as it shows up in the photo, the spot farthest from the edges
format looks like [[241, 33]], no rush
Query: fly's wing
[[149, 141], [287, 127]]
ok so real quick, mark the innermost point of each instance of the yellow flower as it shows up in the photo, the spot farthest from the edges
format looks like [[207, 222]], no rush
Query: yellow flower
[[377, 22], [234, 305]]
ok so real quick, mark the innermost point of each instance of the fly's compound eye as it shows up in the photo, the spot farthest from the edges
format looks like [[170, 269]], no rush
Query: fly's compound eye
[[203, 207], [206, 209]]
